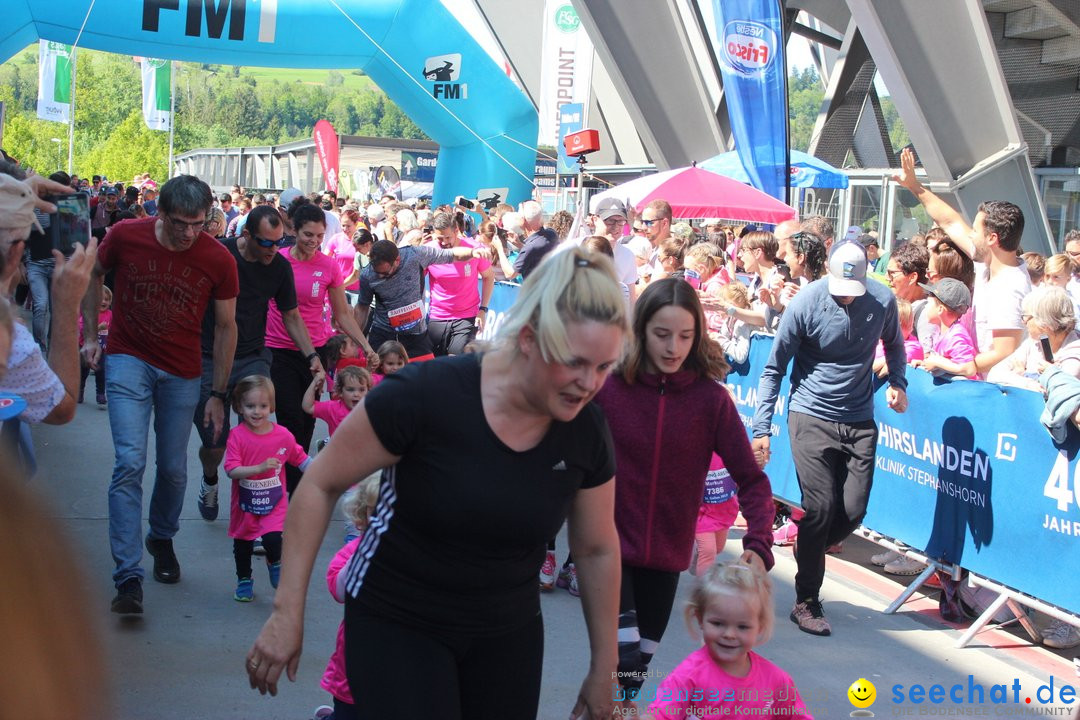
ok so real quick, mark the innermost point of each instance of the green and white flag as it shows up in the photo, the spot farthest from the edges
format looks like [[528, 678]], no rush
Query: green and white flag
[[54, 81], [156, 76]]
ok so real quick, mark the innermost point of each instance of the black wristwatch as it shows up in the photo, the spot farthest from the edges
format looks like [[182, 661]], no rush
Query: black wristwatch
[[219, 395], [482, 307], [311, 357]]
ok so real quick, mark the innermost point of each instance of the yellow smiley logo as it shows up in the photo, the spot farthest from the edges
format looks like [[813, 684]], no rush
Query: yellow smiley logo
[[862, 693]]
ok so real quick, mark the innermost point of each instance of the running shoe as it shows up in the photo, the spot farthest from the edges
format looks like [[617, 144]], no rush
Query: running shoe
[[245, 590], [810, 617], [1061, 635], [568, 580], [547, 572], [208, 501]]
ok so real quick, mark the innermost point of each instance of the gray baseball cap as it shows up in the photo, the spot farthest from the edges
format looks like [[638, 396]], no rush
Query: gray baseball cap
[[951, 293], [847, 269]]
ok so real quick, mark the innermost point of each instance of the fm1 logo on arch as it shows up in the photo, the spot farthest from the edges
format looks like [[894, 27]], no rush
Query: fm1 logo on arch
[[235, 11], [443, 71]]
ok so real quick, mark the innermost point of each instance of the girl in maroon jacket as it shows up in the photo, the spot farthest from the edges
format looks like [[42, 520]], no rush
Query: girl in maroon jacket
[[668, 414]]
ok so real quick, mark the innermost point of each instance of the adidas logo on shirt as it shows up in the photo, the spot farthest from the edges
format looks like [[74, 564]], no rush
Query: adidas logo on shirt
[[561, 465]]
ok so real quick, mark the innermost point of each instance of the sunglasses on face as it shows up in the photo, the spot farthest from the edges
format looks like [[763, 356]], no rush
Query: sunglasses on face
[[266, 243]]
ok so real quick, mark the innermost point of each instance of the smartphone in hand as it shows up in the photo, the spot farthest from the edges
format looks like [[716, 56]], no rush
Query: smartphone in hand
[[70, 224], [1048, 354]]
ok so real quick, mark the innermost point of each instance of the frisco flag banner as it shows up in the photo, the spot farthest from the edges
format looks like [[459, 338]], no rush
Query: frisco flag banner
[[54, 81], [156, 93]]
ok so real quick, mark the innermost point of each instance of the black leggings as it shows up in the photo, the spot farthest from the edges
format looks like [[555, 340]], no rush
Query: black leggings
[[645, 601], [398, 671], [243, 550], [291, 374]]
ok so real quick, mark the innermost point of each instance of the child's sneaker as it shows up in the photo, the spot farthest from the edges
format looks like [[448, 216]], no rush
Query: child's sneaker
[[323, 711], [102, 403], [275, 573], [258, 549], [568, 579], [320, 444], [547, 572], [245, 590]]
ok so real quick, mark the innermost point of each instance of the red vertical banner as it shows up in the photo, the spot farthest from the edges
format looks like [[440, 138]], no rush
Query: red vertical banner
[[326, 145]]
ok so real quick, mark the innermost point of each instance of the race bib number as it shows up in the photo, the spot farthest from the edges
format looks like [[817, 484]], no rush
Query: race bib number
[[407, 317], [719, 487], [259, 496]]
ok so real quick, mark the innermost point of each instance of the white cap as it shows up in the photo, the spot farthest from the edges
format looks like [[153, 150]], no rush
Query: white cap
[[847, 269], [375, 212]]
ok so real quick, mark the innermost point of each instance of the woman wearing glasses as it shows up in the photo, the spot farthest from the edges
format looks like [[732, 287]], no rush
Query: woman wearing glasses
[[319, 282]]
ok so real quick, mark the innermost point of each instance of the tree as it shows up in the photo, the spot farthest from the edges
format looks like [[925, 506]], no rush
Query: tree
[[130, 148]]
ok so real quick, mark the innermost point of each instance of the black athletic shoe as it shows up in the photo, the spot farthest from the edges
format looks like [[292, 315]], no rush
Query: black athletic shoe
[[166, 566], [128, 600]]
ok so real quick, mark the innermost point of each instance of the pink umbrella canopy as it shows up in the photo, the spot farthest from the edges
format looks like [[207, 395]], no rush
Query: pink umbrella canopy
[[696, 193]]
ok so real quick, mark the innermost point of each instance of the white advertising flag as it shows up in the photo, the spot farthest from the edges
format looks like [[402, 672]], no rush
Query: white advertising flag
[[155, 93], [54, 81], [566, 66]]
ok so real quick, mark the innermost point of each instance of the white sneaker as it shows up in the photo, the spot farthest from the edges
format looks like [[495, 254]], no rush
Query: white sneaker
[[904, 566], [1061, 635], [884, 558]]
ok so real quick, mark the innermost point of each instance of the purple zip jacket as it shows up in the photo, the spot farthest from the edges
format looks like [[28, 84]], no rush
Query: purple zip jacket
[[666, 428]]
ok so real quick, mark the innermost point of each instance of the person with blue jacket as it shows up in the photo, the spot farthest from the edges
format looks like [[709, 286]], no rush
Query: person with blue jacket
[[830, 330]]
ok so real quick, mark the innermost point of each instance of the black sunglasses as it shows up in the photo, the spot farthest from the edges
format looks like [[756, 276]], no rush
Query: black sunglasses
[[263, 242]]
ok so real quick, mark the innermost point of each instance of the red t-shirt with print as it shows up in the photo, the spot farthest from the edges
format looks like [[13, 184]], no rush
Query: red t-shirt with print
[[160, 296]]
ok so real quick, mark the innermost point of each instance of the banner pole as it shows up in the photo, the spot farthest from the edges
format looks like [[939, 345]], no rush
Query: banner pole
[[71, 117], [172, 116]]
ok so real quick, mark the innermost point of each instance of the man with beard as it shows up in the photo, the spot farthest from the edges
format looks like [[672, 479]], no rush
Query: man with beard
[[458, 308]]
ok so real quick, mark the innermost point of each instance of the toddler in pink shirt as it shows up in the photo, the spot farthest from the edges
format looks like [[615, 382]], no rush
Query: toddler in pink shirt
[[358, 505], [732, 606], [351, 384]]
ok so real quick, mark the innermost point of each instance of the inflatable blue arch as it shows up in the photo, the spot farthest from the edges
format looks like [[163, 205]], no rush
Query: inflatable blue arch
[[415, 50]]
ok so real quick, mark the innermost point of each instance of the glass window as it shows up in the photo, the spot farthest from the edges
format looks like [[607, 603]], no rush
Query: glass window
[[1062, 200]]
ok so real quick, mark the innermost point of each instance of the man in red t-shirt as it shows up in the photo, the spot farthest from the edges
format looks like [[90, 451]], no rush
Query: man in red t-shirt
[[167, 271]]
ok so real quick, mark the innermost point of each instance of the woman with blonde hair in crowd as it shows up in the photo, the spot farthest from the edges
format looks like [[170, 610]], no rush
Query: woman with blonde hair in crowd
[[447, 589]]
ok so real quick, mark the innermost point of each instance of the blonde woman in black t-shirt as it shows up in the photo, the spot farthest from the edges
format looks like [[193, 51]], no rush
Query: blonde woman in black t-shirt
[[485, 456]]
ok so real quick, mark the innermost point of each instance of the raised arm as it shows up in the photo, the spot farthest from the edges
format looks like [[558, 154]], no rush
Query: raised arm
[[941, 212]]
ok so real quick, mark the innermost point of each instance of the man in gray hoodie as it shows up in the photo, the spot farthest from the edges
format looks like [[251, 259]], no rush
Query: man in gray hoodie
[[831, 329]]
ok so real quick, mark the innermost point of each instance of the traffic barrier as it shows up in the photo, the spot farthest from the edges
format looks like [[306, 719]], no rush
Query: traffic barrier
[[967, 475]]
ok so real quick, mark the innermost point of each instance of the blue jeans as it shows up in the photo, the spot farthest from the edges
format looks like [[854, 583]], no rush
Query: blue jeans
[[39, 278], [135, 388]]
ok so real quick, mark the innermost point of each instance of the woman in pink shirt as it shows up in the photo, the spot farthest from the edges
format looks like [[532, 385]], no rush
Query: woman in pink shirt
[[339, 246], [318, 282]]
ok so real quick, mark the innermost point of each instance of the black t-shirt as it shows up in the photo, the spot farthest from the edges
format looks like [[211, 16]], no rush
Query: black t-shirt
[[536, 246], [258, 284], [462, 522]]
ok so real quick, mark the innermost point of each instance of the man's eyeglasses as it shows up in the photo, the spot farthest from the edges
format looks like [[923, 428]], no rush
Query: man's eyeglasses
[[650, 223], [267, 243], [892, 273], [184, 225], [615, 221]]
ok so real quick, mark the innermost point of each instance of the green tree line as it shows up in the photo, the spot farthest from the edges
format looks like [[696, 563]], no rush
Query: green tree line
[[215, 106], [229, 106]]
